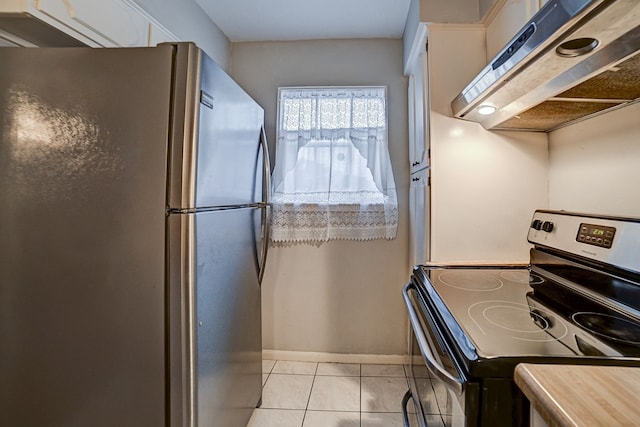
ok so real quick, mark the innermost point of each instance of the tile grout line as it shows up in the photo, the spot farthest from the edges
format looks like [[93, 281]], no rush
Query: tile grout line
[[360, 400], [315, 373]]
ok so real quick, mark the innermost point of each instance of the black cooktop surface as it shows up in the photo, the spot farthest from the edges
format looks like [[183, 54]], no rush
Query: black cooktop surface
[[510, 315]]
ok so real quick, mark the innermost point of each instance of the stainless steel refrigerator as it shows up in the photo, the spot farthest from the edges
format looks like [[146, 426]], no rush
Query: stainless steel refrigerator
[[133, 204]]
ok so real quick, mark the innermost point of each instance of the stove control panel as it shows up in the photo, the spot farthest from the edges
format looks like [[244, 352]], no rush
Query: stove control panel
[[607, 239], [597, 235]]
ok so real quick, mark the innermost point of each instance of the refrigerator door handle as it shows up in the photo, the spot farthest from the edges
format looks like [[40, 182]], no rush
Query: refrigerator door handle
[[266, 190], [266, 193], [265, 241]]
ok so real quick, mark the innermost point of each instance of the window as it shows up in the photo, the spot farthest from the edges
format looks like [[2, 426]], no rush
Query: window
[[333, 176]]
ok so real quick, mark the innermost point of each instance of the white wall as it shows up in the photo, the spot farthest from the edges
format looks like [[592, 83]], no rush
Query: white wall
[[187, 21], [485, 185], [595, 164], [341, 296]]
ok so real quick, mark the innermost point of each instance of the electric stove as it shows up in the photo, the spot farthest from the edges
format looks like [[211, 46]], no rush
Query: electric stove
[[577, 302]]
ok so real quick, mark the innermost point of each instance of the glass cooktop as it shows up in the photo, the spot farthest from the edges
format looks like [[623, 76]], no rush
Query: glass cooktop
[[500, 313]]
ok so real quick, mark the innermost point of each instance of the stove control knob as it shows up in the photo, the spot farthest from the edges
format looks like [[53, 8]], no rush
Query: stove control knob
[[547, 226], [540, 319], [537, 224]]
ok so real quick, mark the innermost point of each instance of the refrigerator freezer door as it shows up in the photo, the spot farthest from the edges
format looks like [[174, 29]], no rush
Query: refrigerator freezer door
[[216, 307], [82, 246], [216, 159]]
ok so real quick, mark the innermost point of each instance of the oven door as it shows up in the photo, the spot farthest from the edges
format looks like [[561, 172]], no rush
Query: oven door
[[442, 393]]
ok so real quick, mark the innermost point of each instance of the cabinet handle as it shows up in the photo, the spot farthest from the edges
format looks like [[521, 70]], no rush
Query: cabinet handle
[[415, 179]]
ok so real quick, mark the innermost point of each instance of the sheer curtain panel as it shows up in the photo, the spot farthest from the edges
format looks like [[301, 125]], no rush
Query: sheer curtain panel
[[333, 176]]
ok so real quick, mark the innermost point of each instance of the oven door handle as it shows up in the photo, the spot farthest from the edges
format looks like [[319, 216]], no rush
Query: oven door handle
[[452, 382]]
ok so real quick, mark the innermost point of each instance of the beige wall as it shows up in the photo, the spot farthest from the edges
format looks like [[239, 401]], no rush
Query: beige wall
[[595, 164], [341, 296], [450, 11]]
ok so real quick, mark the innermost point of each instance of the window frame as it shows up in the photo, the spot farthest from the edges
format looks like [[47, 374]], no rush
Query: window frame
[[376, 215], [349, 87]]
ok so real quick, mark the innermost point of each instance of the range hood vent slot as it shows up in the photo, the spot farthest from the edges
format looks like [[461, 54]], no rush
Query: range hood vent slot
[[572, 60]]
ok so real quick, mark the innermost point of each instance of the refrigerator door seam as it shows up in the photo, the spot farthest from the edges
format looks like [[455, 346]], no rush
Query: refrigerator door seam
[[185, 211]]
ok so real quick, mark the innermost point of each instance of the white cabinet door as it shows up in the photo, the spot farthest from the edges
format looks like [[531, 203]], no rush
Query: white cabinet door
[[419, 154], [108, 23], [419, 113], [419, 195], [412, 120]]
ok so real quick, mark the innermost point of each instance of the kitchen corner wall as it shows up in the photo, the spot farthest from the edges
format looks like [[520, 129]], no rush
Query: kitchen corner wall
[[594, 165], [340, 296]]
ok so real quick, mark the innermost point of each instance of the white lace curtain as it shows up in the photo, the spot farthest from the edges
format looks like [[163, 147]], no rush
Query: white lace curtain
[[333, 176]]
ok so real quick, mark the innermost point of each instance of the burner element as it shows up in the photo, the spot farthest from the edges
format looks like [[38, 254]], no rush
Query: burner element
[[611, 327], [511, 320], [470, 280], [505, 316], [520, 276]]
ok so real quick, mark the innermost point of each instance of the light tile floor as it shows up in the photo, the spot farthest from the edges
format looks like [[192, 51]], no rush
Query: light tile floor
[[306, 394]]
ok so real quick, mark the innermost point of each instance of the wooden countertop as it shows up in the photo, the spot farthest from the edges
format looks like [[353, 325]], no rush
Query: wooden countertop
[[582, 395]]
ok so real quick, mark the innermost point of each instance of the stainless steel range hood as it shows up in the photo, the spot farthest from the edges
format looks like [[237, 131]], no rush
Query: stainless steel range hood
[[573, 59]]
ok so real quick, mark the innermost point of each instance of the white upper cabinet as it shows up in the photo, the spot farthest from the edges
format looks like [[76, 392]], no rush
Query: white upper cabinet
[[158, 33], [108, 23], [418, 97], [419, 134]]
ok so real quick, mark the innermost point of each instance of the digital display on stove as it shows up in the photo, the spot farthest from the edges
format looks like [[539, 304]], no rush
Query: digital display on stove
[[596, 235]]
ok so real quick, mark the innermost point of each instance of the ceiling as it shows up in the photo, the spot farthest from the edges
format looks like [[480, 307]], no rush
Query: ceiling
[[261, 20]]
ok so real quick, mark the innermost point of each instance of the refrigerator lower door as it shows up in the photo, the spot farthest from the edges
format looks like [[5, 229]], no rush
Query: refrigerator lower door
[[215, 316], [82, 337]]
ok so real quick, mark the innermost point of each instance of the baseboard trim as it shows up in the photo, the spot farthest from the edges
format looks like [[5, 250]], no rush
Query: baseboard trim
[[307, 356]]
